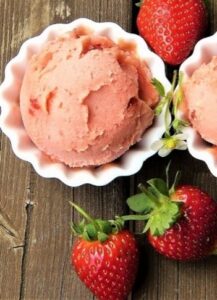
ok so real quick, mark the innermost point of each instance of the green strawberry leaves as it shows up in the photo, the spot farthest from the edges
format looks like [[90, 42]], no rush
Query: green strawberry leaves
[[94, 229], [162, 218], [140, 203], [159, 187], [90, 232], [159, 86], [153, 205], [159, 211], [78, 228], [102, 237], [104, 226]]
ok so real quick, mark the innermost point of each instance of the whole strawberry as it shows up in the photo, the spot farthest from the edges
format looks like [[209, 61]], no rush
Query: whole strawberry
[[172, 27], [181, 222], [105, 257]]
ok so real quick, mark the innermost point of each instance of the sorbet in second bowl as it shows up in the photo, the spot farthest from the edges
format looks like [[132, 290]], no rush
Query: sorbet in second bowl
[[200, 94], [85, 99]]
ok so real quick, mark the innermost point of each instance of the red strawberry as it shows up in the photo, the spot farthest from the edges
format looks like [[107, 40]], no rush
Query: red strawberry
[[181, 223], [172, 27], [105, 257]]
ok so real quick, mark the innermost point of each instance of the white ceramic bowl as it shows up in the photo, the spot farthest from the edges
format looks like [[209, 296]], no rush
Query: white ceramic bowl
[[11, 122], [198, 148]]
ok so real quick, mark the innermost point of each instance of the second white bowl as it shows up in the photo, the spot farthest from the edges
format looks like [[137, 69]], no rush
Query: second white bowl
[[198, 148]]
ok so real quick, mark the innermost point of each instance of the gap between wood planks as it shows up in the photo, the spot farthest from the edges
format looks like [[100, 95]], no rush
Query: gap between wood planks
[[29, 211]]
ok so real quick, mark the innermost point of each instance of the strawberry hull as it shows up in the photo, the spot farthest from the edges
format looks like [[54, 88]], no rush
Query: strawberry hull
[[193, 237]]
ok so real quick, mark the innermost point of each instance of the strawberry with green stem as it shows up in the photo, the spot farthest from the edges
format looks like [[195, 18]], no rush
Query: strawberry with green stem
[[181, 222], [105, 256]]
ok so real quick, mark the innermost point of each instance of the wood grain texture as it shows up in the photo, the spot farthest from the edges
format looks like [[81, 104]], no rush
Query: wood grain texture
[[13, 199], [35, 240], [14, 175]]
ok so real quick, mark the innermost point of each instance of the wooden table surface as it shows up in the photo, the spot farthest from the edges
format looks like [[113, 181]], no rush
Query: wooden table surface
[[35, 239]]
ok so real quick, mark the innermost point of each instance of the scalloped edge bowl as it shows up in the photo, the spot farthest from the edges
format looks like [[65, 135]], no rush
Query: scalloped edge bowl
[[11, 122], [203, 52]]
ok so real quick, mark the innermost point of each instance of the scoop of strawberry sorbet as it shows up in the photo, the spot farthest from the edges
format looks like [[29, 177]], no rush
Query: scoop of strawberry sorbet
[[200, 100], [85, 100]]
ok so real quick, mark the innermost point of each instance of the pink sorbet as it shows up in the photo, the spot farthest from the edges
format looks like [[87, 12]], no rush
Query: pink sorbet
[[200, 93], [85, 100]]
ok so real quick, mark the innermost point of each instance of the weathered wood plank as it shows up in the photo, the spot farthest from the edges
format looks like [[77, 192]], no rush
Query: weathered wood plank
[[48, 246], [213, 15], [13, 198], [14, 174], [210, 277]]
